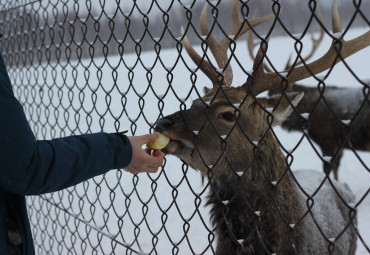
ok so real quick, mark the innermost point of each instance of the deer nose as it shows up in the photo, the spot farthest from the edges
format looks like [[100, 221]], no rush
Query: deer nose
[[163, 124]]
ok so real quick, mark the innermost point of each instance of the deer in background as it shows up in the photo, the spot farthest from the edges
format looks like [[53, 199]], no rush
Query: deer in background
[[339, 118], [258, 206]]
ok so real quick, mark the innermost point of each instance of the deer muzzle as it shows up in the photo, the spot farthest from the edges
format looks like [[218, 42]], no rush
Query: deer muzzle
[[178, 143]]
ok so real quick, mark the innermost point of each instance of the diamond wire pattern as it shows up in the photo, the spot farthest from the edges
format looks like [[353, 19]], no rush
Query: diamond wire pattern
[[82, 67]]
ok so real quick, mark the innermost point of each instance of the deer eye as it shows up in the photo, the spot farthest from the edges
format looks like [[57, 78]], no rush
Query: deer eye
[[228, 116]]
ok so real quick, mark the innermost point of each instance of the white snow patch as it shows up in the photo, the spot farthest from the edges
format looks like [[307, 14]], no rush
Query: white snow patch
[[231, 37], [346, 122], [270, 110], [327, 158], [338, 35], [305, 115]]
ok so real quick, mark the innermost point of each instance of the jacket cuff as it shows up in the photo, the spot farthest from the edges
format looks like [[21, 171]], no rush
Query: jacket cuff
[[124, 150]]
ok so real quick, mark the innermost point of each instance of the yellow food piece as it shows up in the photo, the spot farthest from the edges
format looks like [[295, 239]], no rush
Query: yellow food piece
[[159, 143]]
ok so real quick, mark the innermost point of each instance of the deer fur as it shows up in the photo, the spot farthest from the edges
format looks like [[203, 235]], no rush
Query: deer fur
[[257, 205], [325, 126]]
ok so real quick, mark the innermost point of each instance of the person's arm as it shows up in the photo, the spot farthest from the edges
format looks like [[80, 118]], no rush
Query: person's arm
[[30, 167]]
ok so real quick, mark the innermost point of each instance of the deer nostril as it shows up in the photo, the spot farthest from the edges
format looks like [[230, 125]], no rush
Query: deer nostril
[[163, 124]]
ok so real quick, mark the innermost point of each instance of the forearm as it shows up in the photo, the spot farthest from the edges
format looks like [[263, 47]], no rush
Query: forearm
[[64, 162]]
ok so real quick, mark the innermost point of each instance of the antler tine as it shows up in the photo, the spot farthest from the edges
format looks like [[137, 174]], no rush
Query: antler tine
[[337, 26], [315, 43], [334, 55], [251, 45], [203, 64], [219, 49], [240, 27]]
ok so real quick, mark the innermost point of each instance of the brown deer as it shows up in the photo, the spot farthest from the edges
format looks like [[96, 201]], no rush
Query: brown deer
[[258, 206], [339, 118], [333, 124]]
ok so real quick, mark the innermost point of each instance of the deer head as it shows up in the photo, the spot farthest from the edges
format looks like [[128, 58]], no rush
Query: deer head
[[220, 133]]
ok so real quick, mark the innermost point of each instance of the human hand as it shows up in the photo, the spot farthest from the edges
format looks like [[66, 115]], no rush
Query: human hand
[[142, 161]]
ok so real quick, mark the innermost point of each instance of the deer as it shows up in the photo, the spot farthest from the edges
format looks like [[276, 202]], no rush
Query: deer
[[338, 116], [257, 204]]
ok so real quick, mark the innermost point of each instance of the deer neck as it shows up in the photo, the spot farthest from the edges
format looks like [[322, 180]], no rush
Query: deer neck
[[268, 174], [254, 201]]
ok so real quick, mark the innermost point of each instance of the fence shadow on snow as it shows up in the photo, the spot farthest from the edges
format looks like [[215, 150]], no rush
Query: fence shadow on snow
[[90, 66]]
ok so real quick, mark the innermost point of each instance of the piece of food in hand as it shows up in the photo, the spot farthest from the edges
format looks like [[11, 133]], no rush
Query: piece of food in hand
[[159, 143]]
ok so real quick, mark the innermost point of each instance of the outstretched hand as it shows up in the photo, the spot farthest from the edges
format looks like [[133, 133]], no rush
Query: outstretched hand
[[142, 161]]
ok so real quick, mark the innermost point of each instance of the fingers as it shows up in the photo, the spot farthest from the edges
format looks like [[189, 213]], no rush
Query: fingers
[[148, 138], [151, 169], [154, 158], [144, 161], [157, 153], [152, 162], [142, 169]]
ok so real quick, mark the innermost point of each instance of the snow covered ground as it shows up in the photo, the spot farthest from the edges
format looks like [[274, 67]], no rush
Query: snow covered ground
[[163, 211]]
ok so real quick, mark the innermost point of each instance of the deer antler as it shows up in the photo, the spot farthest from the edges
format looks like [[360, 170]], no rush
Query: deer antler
[[219, 49], [315, 43], [251, 44], [340, 49]]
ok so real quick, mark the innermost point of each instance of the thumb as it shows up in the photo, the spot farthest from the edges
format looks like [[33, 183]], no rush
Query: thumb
[[148, 138]]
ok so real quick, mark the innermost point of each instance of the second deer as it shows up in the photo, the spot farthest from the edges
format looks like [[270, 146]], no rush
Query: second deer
[[339, 117]]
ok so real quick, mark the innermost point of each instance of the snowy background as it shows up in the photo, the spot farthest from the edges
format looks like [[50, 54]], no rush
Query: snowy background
[[162, 213]]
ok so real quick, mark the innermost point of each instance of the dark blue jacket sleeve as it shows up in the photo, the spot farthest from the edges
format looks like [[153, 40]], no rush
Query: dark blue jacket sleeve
[[30, 167]]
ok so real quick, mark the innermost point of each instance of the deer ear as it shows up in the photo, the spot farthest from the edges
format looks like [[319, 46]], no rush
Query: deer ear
[[282, 106], [205, 90]]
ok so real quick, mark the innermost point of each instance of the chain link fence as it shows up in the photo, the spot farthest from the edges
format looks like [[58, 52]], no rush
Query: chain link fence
[[94, 65]]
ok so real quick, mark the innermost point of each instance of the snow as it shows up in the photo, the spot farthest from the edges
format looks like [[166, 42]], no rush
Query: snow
[[255, 143], [240, 173], [166, 208], [237, 106], [225, 202], [327, 158], [346, 122], [270, 110], [305, 115]]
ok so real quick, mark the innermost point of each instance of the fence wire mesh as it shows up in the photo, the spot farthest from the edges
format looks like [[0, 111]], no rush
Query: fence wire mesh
[[87, 66]]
